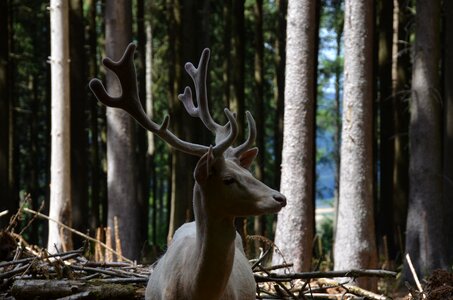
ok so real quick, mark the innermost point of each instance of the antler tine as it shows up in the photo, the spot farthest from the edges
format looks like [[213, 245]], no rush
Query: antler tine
[[225, 143], [237, 151], [130, 101], [198, 76]]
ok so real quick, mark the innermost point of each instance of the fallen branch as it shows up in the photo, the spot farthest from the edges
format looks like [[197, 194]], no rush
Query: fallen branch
[[414, 274], [71, 289], [28, 259], [354, 290], [328, 274], [13, 272]]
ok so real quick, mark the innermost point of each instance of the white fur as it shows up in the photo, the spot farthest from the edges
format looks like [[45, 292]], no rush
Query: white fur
[[168, 283], [205, 260]]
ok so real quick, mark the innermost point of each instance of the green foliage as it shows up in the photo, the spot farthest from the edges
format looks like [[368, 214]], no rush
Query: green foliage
[[324, 243]]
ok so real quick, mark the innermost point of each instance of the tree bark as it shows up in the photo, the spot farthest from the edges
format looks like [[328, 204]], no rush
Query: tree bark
[[338, 89], [79, 138], [150, 154], [48, 289], [237, 100], [279, 92], [259, 221], [121, 142], [4, 111], [400, 84], [448, 124], [425, 240], [227, 64], [60, 191], [95, 169], [182, 182], [143, 187], [355, 236], [386, 145], [294, 234]]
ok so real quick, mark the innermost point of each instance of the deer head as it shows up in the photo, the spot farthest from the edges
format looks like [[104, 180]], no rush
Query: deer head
[[231, 188], [222, 169]]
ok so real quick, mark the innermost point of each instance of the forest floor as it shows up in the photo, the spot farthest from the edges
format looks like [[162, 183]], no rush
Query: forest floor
[[27, 272], [30, 272]]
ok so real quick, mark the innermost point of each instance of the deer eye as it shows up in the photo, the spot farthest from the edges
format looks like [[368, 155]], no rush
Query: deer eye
[[229, 180]]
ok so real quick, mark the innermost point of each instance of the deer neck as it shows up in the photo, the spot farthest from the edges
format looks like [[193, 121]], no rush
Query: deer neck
[[215, 248]]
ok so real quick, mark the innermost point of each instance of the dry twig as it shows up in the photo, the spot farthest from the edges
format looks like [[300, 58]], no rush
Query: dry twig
[[76, 232]]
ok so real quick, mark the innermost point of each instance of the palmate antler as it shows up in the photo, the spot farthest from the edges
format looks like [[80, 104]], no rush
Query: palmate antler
[[130, 102]]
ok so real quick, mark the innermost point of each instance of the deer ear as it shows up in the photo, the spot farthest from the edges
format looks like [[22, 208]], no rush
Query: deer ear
[[246, 159], [204, 167]]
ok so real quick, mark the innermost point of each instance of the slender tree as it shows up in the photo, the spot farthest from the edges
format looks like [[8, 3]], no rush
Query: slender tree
[[121, 142], [79, 138], [95, 170], [279, 91], [400, 115], [237, 100], [355, 237], [294, 233], [425, 240], [181, 187], [448, 123], [400, 90], [150, 154], [4, 109], [338, 26], [60, 191], [227, 17], [259, 224], [142, 149], [386, 144]]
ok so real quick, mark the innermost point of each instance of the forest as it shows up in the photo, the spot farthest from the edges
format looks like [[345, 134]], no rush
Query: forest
[[353, 105]]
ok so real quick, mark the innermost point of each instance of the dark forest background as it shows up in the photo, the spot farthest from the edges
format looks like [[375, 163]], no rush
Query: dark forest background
[[247, 72]]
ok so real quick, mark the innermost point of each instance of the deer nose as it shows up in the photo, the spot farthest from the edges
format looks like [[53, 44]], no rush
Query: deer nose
[[280, 199]]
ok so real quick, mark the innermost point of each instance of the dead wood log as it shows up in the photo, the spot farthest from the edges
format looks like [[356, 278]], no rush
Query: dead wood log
[[55, 289], [327, 274]]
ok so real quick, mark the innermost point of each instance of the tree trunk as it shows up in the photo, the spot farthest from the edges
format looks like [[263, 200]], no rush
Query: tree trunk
[[188, 40], [280, 59], [386, 145], [121, 142], [95, 164], [143, 186], [4, 111], [425, 240], [337, 131], [294, 234], [79, 136], [259, 221], [237, 101], [355, 236], [181, 187], [227, 17], [237, 95], [400, 83], [448, 124], [60, 191]]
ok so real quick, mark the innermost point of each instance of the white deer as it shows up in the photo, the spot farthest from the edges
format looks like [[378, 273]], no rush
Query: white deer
[[205, 260]]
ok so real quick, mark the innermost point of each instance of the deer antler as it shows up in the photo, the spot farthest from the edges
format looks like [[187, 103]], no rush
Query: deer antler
[[130, 102], [198, 76]]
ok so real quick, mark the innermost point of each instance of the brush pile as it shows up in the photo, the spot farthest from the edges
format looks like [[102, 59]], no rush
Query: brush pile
[[28, 272]]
